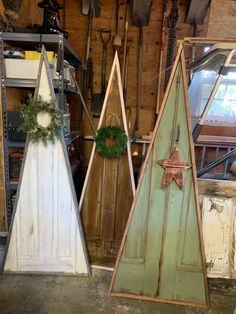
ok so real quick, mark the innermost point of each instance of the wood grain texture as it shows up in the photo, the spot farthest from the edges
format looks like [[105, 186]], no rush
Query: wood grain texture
[[217, 188], [169, 259], [46, 233], [109, 184], [2, 172]]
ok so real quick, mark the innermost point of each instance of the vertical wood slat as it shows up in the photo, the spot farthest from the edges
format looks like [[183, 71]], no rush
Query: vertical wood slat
[[3, 213]]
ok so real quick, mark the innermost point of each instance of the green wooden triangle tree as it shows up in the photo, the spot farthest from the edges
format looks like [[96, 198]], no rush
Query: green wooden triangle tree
[[161, 256]]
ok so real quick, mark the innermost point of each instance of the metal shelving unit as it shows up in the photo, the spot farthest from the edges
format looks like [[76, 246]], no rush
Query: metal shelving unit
[[30, 41], [50, 41], [23, 83]]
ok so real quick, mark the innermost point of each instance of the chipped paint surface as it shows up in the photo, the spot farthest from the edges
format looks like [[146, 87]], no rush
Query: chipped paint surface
[[219, 215]]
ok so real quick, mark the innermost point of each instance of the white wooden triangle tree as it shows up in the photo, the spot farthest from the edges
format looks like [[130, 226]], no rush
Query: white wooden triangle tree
[[109, 184], [46, 234]]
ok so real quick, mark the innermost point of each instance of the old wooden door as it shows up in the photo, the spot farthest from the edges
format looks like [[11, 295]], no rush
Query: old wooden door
[[161, 253], [46, 233], [109, 185]]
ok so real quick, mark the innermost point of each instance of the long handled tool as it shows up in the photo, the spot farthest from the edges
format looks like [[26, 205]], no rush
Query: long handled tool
[[124, 65], [97, 102], [165, 2], [117, 38], [139, 80], [92, 9], [141, 10], [172, 24], [78, 91]]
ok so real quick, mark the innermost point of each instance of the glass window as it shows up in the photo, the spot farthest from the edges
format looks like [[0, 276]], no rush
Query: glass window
[[206, 72], [223, 108]]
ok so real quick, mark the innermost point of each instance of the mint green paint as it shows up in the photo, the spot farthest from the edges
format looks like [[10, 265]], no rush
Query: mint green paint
[[180, 276]]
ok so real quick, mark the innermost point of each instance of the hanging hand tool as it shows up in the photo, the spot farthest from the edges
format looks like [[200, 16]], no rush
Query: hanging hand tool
[[124, 65], [87, 5], [139, 81], [165, 2], [125, 74], [141, 10], [92, 9], [172, 25], [97, 102], [78, 91], [117, 38], [125, 80]]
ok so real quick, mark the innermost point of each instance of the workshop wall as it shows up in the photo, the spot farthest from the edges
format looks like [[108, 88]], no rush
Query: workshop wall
[[218, 26], [76, 24]]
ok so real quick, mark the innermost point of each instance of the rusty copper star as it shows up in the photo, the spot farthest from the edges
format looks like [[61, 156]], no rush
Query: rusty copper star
[[173, 169]]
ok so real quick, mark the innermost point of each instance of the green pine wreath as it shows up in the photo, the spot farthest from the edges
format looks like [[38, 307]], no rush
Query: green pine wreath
[[115, 132], [36, 132]]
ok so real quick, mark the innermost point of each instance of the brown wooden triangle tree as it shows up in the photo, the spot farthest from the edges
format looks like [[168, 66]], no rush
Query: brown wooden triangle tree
[[109, 184]]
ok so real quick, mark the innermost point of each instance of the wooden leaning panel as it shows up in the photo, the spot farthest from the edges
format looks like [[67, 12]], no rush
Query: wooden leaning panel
[[109, 184], [161, 256], [46, 233]]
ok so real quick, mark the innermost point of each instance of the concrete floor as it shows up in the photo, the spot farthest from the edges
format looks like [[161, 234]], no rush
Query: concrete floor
[[69, 295]]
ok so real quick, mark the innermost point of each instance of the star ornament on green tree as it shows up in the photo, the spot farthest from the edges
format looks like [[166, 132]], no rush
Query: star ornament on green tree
[[173, 169]]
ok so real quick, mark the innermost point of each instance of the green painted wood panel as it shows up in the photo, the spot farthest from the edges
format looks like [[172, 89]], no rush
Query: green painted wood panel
[[161, 256]]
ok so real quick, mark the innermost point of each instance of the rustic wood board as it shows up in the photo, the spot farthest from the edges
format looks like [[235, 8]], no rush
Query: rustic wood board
[[2, 173], [46, 233], [219, 235], [161, 256], [109, 184], [219, 220]]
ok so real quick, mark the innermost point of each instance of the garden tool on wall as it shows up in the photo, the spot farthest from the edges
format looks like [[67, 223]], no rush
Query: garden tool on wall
[[51, 17], [172, 21], [92, 9], [126, 48], [117, 38], [97, 100], [125, 66], [162, 45], [78, 92], [141, 10], [125, 80]]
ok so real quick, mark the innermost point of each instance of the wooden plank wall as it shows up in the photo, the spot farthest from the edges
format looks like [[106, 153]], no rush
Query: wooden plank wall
[[76, 24]]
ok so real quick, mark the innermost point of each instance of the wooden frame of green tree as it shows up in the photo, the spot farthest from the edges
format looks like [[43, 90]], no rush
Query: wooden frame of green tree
[[161, 257]]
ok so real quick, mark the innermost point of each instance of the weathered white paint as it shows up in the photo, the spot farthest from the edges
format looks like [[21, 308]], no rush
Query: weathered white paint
[[219, 233], [44, 119], [46, 233]]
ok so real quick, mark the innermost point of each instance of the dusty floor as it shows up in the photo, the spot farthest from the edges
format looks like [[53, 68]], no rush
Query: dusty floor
[[69, 294]]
